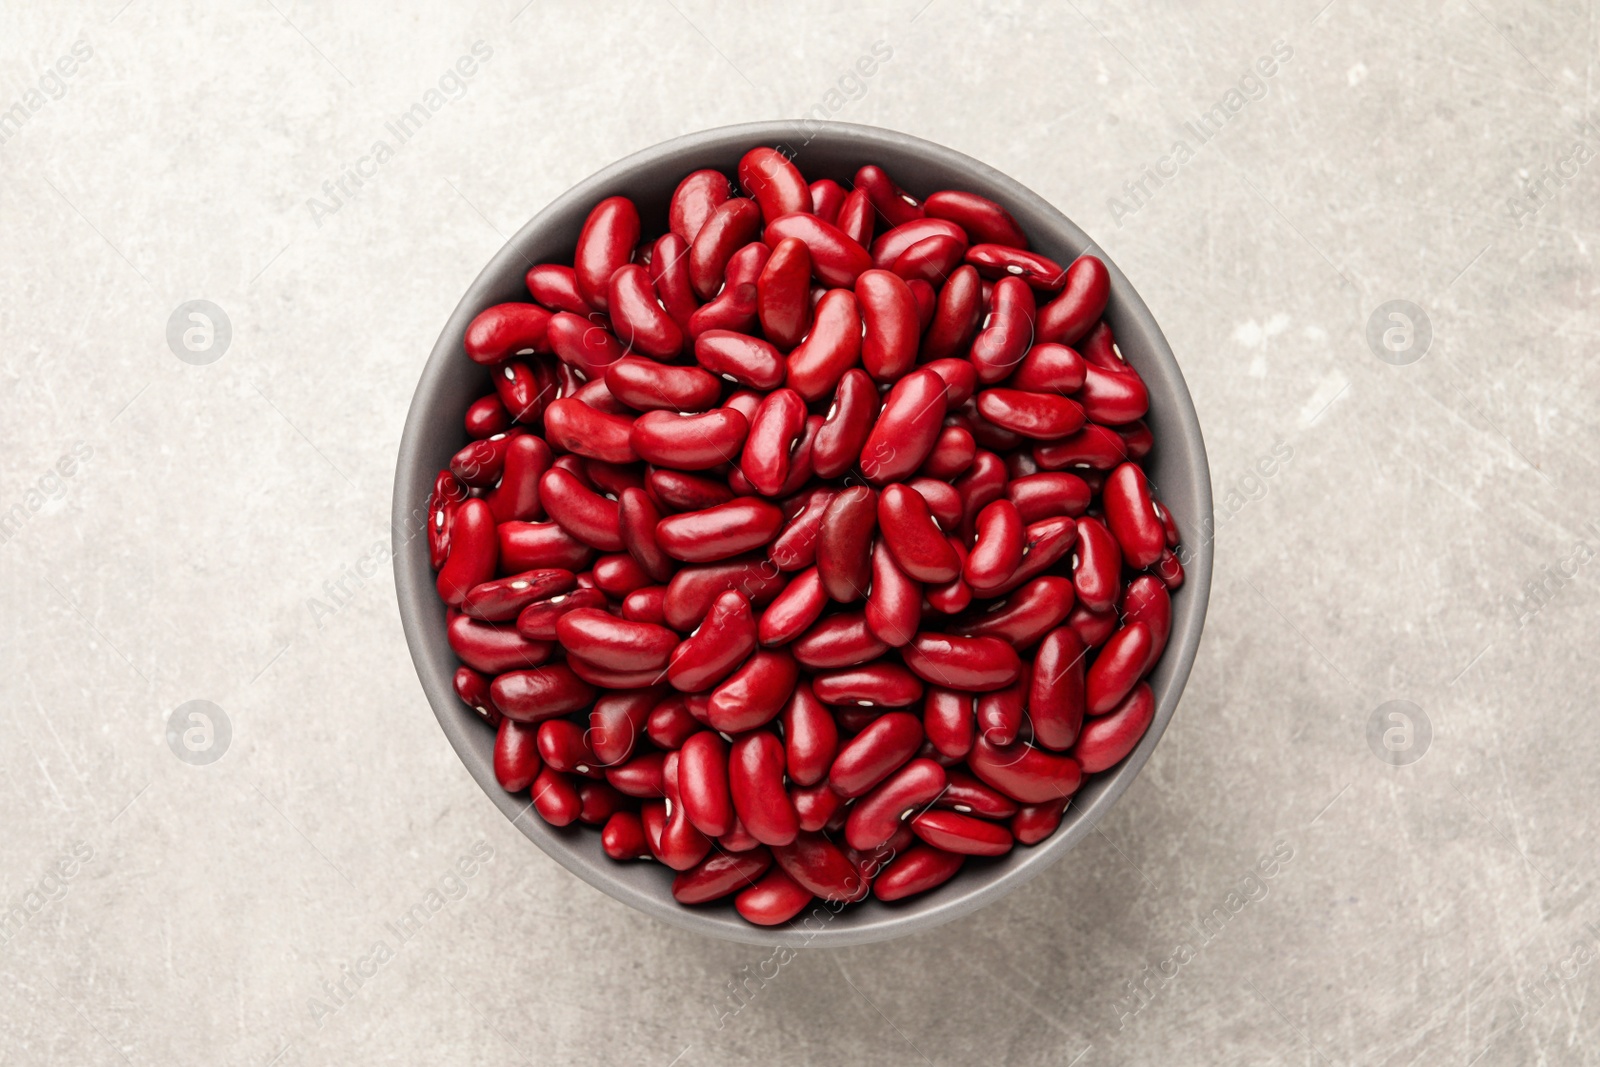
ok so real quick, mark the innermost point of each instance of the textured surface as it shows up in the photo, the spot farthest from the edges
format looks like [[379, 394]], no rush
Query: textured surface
[[1426, 533]]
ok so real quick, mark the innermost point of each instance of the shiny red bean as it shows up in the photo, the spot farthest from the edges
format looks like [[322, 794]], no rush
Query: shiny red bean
[[1113, 397], [573, 426], [965, 793], [1132, 516], [538, 620], [836, 259], [997, 551], [894, 601], [716, 648], [844, 548], [678, 491], [637, 516], [693, 201], [832, 347], [474, 552], [792, 611], [680, 844], [605, 243], [883, 684], [875, 753], [556, 287], [555, 798], [783, 294], [734, 308], [516, 755], [889, 317], [1000, 711], [949, 719], [720, 875], [580, 511], [767, 175], [747, 361], [755, 775], [827, 197], [1117, 668], [856, 218], [703, 783], [646, 385], [1049, 368], [1107, 740], [754, 694], [638, 318], [844, 431], [818, 865], [1039, 416], [507, 330], [906, 428], [563, 747], [811, 738], [1001, 261], [1024, 617], [914, 538], [618, 574], [1024, 773], [689, 442], [616, 723], [795, 547], [502, 599], [1147, 601], [841, 640], [1074, 312], [1048, 494], [540, 693], [1097, 565], [618, 644], [774, 434], [955, 319], [916, 870], [1007, 332], [720, 532], [1035, 822], [983, 219], [623, 838], [729, 227], [817, 806], [693, 589], [876, 817], [888, 199], [978, 664], [897, 241], [773, 900], [639, 777], [929, 261], [962, 834]]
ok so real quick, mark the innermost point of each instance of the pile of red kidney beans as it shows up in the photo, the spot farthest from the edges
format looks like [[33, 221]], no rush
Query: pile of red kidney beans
[[805, 548]]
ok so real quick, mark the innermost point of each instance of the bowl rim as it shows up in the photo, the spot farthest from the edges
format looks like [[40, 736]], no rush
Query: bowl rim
[[435, 663]]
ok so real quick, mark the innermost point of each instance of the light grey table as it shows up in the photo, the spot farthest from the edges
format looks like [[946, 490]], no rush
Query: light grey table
[[1411, 523]]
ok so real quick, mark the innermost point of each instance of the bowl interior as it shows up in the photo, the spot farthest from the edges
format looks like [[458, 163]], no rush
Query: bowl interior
[[450, 382]]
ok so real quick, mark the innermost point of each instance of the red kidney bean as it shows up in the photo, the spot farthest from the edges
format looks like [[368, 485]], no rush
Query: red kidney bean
[[1169, 569], [876, 817], [526, 546], [598, 802], [623, 837], [856, 220], [906, 428], [747, 361], [875, 753], [916, 870], [689, 442], [914, 538], [929, 261], [730, 226], [774, 434], [1007, 333], [952, 453], [844, 547], [493, 648], [703, 783], [1082, 301], [573, 426], [897, 242], [754, 694], [1049, 368], [507, 330], [949, 719], [516, 497], [827, 197], [1035, 822], [502, 599], [987, 434], [818, 866], [473, 689], [474, 552], [767, 175], [693, 589], [830, 349], [611, 678], [583, 345], [721, 875], [1023, 618], [1168, 524], [793, 611], [876, 685], [888, 199], [997, 550], [889, 316], [1113, 397], [817, 805], [964, 793], [1043, 544], [677, 491], [637, 516], [927, 299], [1024, 773], [556, 287], [1093, 627], [447, 495], [653, 817], [516, 755], [670, 724], [1000, 711], [811, 739], [979, 664], [556, 798], [646, 385], [962, 834], [669, 273], [1147, 601], [681, 845], [844, 431], [716, 648], [1047, 495], [1001, 261], [984, 483], [954, 597], [734, 308], [1132, 517], [640, 777], [1040, 416], [563, 748], [1097, 565], [695, 198], [1091, 448], [755, 775], [841, 640], [773, 900], [984, 219], [540, 693], [618, 574], [783, 293], [955, 319], [615, 723], [1118, 667], [580, 511], [480, 463], [537, 621], [943, 501], [894, 602], [607, 641], [1107, 740], [638, 318], [605, 243], [836, 259], [721, 532], [795, 547]]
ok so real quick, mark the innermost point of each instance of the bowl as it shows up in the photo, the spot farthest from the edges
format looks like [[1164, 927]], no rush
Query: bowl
[[450, 381]]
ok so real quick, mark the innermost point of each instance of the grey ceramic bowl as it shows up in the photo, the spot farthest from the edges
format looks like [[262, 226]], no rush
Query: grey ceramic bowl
[[450, 381]]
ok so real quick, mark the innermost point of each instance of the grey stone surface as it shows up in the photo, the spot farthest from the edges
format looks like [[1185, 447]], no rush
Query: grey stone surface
[[161, 909]]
